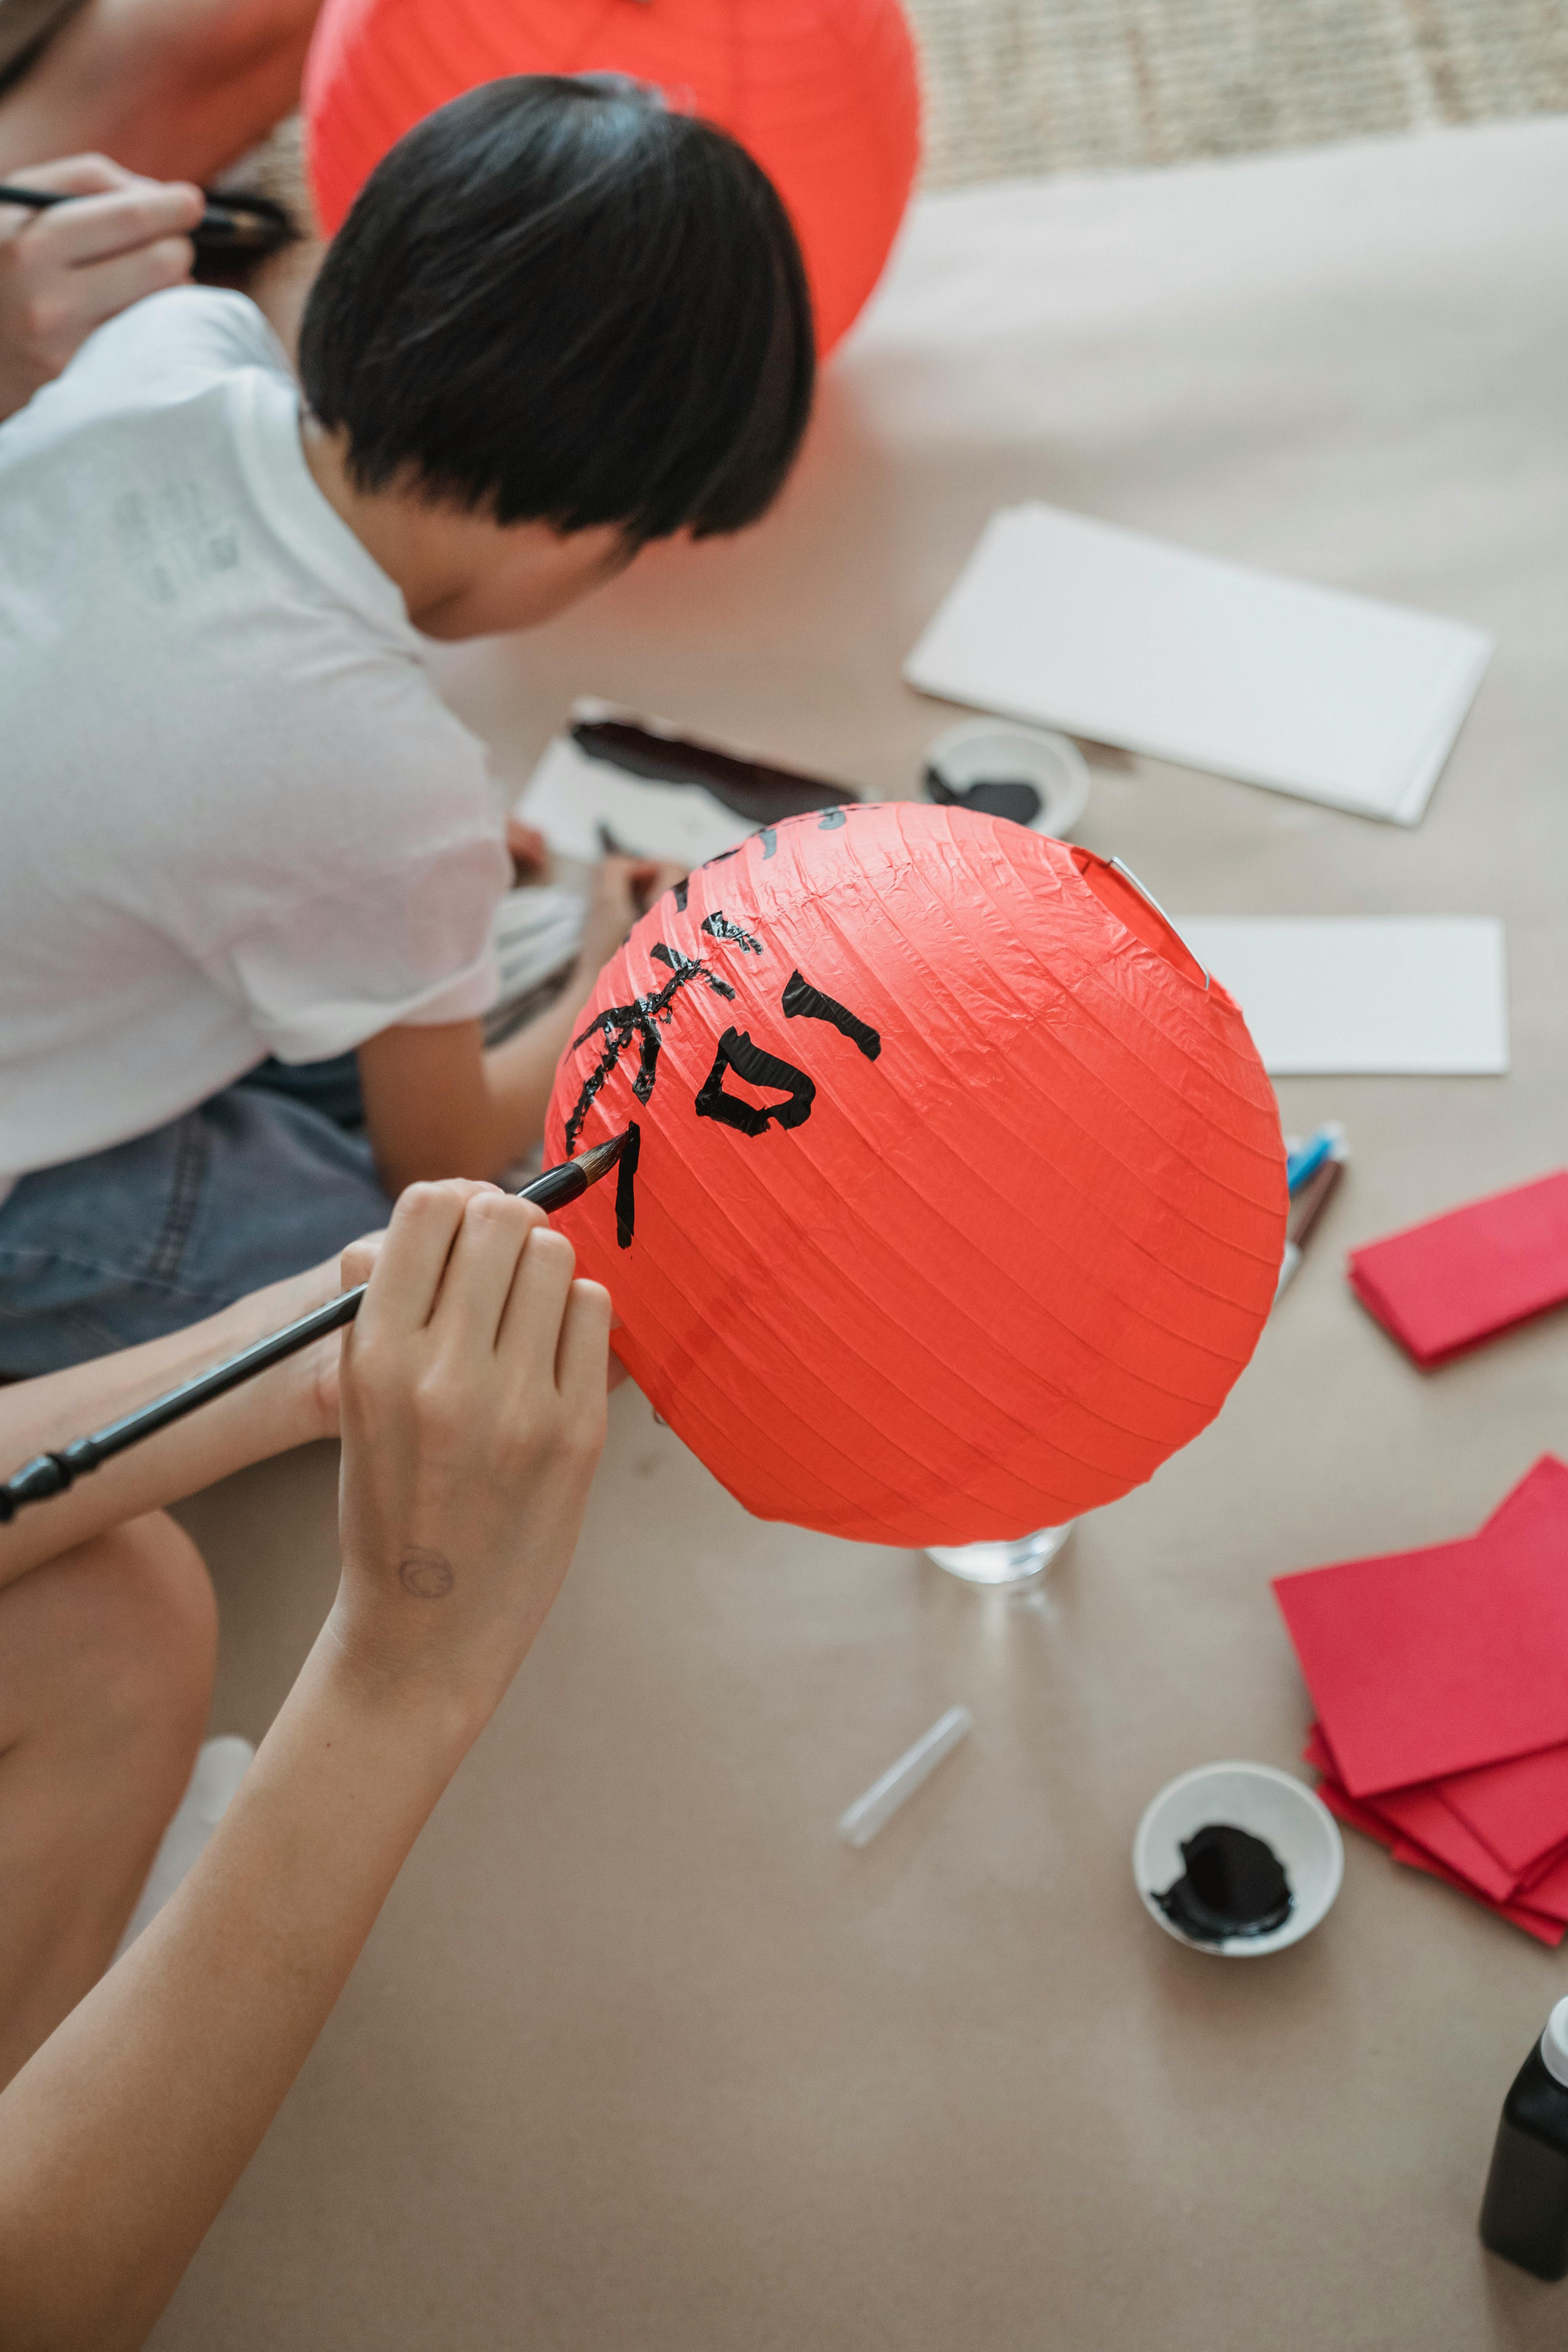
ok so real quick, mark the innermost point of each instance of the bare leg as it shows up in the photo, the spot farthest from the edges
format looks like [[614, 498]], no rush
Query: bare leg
[[176, 88], [106, 1668]]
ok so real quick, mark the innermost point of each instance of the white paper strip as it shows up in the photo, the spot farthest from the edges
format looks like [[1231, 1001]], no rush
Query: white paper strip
[[1340, 994]]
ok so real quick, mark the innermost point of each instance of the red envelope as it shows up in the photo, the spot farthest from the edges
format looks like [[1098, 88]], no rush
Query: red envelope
[[1544, 1482], [1420, 1816], [1535, 1923], [1549, 1892], [1545, 1883], [1546, 1929], [1442, 1287], [1434, 1662], [1517, 1810]]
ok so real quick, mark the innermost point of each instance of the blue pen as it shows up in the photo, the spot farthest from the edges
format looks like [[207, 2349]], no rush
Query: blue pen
[[1309, 1157]]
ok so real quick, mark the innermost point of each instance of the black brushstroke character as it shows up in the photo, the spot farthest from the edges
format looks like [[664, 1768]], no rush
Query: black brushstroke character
[[736, 1051], [641, 1020], [831, 819], [769, 839], [625, 1186], [680, 890], [718, 927], [802, 1001]]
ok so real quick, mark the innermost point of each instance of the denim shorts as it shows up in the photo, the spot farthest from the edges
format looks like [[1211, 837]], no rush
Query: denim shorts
[[149, 1237]]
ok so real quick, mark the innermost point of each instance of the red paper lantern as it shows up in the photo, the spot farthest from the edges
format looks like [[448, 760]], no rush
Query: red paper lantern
[[959, 1198], [823, 94]]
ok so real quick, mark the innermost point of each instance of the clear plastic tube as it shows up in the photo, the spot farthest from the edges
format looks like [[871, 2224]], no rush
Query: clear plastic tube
[[882, 1801]]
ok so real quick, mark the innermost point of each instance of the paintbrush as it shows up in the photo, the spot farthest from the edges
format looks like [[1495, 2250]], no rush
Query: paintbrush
[[249, 224], [51, 1474]]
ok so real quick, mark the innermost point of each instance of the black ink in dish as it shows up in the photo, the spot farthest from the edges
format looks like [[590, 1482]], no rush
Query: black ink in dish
[[989, 796], [1233, 1884]]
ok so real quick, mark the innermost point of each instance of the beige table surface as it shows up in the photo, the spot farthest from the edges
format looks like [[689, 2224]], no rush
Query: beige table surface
[[639, 2057]]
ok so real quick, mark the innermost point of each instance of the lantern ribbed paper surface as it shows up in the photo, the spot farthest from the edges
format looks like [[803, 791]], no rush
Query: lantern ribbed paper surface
[[823, 94], [959, 1198]]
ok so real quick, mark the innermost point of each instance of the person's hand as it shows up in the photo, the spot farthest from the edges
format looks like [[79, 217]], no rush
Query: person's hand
[[473, 1415], [63, 272], [526, 848], [357, 1262], [623, 889], [347, 1271]]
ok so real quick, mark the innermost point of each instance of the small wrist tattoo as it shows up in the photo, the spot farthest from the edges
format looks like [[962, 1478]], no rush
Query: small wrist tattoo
[[426, 1574]]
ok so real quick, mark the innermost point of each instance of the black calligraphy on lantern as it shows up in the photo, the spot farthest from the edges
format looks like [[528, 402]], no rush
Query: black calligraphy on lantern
[[759, 1068], [718, 926], [802, 1001], [640, 1024]]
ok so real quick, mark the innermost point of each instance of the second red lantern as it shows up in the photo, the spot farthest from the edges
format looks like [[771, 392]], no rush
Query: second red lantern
[[822, 93]]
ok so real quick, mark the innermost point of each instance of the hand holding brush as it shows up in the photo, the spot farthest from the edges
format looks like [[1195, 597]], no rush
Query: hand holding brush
[[52, 1473], [81, 240]]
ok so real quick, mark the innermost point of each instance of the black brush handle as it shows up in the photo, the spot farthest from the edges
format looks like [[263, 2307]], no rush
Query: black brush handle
[[248, 225], [51, 1474]]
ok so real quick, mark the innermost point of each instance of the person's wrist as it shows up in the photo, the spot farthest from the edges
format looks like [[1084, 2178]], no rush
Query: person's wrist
[[400, 1685], [396, 1735]]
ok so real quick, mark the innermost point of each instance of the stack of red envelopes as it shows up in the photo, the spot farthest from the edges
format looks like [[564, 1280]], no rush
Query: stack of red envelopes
[[1444, 1285], [1441, 1683]]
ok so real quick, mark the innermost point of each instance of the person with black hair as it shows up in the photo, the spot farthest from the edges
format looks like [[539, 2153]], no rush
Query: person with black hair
[[557, 301], [561, 322]]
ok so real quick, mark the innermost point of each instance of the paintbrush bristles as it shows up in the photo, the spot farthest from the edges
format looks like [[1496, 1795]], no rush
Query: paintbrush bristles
[[602, 1157]]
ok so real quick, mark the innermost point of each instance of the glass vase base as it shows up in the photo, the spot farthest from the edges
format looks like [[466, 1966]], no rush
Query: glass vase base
[[1021, 1561]]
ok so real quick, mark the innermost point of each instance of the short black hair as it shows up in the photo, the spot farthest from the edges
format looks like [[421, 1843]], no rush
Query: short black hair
[[558, 299]]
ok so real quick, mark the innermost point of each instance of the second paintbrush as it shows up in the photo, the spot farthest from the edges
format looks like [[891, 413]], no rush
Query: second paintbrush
[[249, 224]]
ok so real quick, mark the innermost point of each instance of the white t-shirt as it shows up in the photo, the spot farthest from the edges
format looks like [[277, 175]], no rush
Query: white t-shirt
[[235, 817]]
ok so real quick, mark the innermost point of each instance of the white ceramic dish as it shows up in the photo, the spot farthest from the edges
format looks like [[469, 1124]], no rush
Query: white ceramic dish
[[988, 751], [1273, 1806]]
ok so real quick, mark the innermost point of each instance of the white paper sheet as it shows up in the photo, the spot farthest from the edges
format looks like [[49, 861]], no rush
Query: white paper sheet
[[1125, 639], [1340, 995]]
